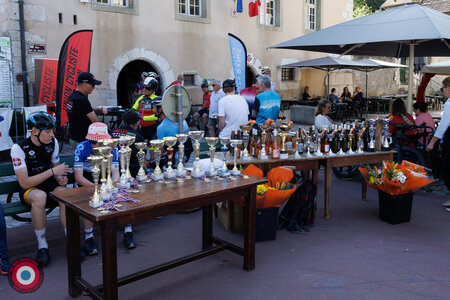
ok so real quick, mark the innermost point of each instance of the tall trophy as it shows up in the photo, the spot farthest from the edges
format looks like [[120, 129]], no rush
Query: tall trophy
[[372, 124], [284, 128], [351, 134], [158, 146], [132, 139], [318, 142], [223, 172], [142, 146], [360, 143], [307, 143], [111, 143], [170, 141], [245, 137], [196, 136], [103, 152], [182, 138], [123, 143], [341, 141], [387, 139], [212, 142], [295, 139], [235, 144], [95, 161], [264, 127], [331, 133]]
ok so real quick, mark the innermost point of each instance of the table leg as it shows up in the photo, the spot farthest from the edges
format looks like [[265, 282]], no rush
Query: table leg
[[315, 174], [109, 259], [327, 188], [364, 189], [249, 229], [73, 250], [207, 227]]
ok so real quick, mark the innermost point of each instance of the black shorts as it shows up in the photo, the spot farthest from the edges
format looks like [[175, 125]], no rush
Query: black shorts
[[203, 111], [47, 186]]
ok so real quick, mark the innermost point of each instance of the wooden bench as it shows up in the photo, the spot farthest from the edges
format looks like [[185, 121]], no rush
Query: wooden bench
[[15, 208]]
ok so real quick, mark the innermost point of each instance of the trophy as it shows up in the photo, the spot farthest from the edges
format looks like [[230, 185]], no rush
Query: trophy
[[170, 141], [104, 152], [372, 124], [224, 170], [196, 137], [284, 128], [235, 144], [95, 161], [341, 141], [132, 139], [351, 134], [157, 145], [331, 135], [264, 127], [245, 137], [111, 143], [123, 143], [212, 142], [360, 142], [319, 139], [295, 139], [387, 140], [142, 146], [182, 138]]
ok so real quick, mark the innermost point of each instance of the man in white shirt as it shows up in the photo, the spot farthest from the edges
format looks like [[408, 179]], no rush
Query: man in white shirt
[[233, 109], [216, 95]]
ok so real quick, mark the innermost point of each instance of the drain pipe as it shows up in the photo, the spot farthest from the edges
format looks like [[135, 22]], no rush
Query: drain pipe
[[23, 54]]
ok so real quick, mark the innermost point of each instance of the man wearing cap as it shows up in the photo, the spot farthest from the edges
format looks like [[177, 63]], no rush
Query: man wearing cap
[[233, 109], [80, 112], [267, 103], [216, 95], [144, 104]]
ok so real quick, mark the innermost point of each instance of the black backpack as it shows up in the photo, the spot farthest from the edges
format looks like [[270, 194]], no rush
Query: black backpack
[[298, 213]]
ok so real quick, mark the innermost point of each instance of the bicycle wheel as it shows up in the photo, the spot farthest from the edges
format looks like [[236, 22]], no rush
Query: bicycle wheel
[[410, 154], [346, 173]]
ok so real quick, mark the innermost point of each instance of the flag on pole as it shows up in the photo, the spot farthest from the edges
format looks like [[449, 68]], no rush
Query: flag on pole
[[239, 8], [253, 7], [238, 60]]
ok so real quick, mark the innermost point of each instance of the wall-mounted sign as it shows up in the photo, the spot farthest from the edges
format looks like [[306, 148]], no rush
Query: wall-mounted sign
[[6, 74], [37, 48]]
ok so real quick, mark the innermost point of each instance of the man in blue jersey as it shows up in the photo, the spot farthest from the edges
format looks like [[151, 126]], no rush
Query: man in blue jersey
[[267, 103]]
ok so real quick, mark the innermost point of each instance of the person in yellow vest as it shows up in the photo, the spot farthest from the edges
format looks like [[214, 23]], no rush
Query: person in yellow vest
[[144, 105]]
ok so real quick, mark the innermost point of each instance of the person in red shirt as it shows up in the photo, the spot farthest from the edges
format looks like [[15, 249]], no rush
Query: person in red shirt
[[400, 116], [204, 111], [179, 81]]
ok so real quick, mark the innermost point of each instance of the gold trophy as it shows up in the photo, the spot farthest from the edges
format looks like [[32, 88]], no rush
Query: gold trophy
[[170, 141], [95, 161], [111, 143], [103, 152], [264, 127], [284, 128], [142, 146], [245, 137], [123, 143], [132, 139], [224, 170], [359, 142], [212, 142], [196, 136], [157, 145], [235, 144], [182, 138]]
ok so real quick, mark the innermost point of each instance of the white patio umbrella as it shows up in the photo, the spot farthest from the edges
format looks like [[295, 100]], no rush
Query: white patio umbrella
[[403, 31], [441, 68]]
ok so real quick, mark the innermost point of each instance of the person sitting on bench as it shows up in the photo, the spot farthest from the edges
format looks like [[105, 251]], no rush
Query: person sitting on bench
[[5, 265]]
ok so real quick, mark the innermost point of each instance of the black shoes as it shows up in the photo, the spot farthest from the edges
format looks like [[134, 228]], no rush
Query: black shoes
[[129, 241], [90, 246], [43, 258]]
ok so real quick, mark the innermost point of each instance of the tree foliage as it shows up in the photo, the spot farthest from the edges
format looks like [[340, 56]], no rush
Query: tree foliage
[[366, 7]]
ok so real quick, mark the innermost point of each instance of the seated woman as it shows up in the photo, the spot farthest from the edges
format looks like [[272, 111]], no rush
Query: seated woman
[[422, 116], [306, 95], [322, 110], [400, 116], [346, 96]]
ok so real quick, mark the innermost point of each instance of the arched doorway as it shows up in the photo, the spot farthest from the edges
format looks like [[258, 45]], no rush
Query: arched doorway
[[128, 77], [249, 77]]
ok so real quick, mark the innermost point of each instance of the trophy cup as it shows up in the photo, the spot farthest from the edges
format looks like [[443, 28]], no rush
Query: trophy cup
[[132, 139], [360, 142], [295, 139], [123, 143], [235, 144], [372, 124], [341, 141], [284, 128], [212, 142], [223, 172], [387, 140], [95, 161], [318, 142], [245, 137], [111, 143], [170, 141], [142, 146], [264, 127], [331, 135], [157, 145], [351, 134], [182, 138], [103, 152], [196, 137]]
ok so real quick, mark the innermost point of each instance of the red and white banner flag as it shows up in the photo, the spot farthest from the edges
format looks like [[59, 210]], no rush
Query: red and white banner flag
[[253, 7]]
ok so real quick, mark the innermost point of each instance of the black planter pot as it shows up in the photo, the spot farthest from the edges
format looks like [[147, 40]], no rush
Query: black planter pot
[[395, 209]]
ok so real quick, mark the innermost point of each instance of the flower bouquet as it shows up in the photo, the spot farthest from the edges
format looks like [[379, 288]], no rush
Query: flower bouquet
[[277, 190]]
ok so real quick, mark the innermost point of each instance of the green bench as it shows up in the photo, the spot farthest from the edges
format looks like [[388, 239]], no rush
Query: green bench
[[15, 208]]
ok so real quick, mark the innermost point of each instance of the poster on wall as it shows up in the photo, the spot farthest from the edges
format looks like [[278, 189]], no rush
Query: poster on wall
[[6, 74], [46, 76], [5, 124]]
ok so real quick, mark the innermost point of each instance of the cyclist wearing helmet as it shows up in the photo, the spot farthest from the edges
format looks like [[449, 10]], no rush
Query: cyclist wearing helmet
[[36, 164], [144, 104]]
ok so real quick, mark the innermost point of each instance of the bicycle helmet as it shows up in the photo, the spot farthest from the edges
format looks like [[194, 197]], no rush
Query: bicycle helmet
[[150, 83], [41, 120], [157, 101]]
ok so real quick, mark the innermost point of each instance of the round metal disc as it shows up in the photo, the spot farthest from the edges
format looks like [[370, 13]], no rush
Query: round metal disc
[[169, 102]]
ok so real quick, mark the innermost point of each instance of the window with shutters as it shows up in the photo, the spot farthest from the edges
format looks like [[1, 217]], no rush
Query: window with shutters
[[118, 6], [312, 15], [192, 10], [269, 13]]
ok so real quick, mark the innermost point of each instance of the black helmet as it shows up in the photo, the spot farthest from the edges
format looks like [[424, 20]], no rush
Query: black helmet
[[40, 120], [150, 83], [157, 101]]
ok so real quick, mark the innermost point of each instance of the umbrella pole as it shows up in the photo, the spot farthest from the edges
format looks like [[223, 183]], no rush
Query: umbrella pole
[[328, 85], [410, 78], [367, 90]]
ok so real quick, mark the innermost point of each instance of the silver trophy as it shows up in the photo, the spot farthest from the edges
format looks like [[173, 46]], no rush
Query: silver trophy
[[142, 146], [245, 137], [123, 143], [296, 139], [264, 127], [235, 144], [372, 124], [158, 146], [212, 142], [182, 138], [196, 136], [341, 141], [331, 135], [387, 139], [223, 172], [318, 149]]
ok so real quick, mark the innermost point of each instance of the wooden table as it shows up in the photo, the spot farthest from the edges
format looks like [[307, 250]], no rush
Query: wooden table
[[350, 160], [157, 199]]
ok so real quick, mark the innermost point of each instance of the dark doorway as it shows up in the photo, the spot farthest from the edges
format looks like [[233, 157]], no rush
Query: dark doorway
[[129, 76], [249, 77]]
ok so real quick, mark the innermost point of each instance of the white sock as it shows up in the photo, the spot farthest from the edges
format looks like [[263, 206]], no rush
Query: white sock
[[89, 233], [42, 240], [128, 228]]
